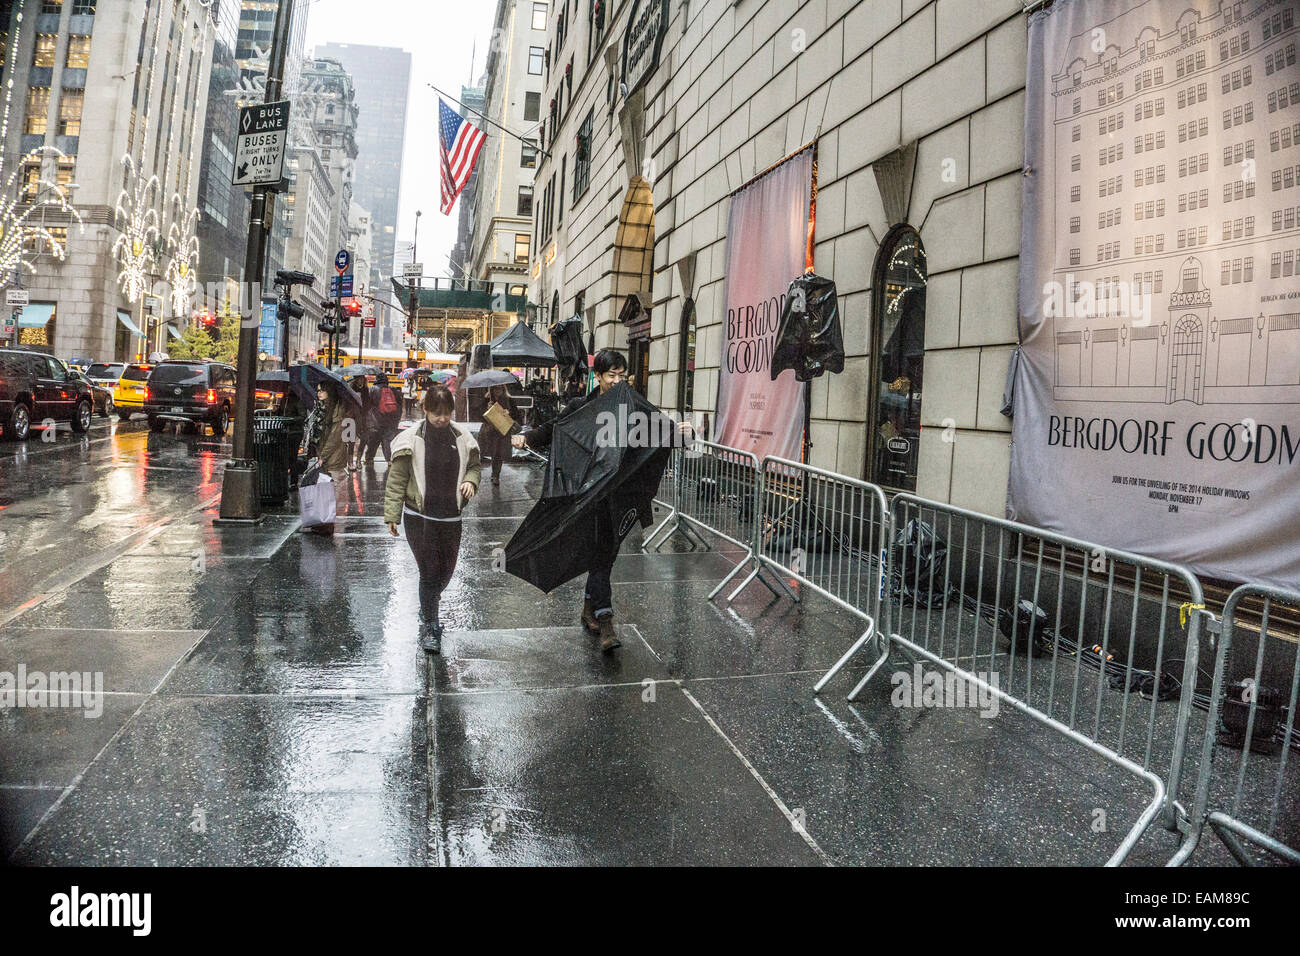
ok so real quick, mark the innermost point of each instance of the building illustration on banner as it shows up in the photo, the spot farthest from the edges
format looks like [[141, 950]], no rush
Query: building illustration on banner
[[1157, 121]]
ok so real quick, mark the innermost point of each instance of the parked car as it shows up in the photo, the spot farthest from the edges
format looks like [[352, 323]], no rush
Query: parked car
[[128, 392], [198, 393], [102, 397], [35, 388]]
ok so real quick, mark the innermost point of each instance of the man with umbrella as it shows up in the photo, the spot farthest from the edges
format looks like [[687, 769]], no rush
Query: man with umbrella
[[592, 494]]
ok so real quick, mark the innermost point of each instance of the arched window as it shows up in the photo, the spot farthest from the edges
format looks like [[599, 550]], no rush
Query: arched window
[[894, 423]]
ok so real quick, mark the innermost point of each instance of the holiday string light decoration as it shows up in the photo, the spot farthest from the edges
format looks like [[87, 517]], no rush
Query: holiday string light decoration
[[135, 245], [183, 247], [21, 235]]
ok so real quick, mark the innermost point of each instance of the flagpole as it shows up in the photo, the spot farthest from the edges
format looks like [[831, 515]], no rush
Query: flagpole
[[485, 119]]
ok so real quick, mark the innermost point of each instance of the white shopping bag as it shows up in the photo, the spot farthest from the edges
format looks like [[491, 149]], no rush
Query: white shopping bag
[[316, 502]]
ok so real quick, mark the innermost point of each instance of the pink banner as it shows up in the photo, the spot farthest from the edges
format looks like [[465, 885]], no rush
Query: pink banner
[[767, 241]]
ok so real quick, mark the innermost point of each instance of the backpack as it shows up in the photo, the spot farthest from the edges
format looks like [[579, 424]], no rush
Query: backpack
[[387, 401]]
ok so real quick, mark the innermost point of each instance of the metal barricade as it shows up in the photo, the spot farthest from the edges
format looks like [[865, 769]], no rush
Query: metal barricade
[[1249, 715], [828, 532], [714, 491], [1042, 621], [665, 497]]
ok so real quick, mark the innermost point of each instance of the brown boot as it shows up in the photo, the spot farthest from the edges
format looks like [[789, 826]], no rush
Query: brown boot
[[608, 638], [589, 618]]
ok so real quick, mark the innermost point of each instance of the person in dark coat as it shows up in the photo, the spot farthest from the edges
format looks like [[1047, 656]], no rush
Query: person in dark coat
[[492, 444], [381, 425], [358, 430], [598, 604]]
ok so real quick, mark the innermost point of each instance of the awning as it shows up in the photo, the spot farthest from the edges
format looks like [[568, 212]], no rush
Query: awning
[[171, 330], [35, 316], [125, 319]]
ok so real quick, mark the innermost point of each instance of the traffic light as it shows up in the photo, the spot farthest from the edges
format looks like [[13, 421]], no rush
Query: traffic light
[[288, 309], [291, 277], [353, 308], [208, 320]]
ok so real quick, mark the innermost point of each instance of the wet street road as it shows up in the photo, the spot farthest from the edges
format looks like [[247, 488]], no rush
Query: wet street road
[[265, 701]]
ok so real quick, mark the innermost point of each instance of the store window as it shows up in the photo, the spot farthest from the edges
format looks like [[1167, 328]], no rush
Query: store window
[[899, 307]]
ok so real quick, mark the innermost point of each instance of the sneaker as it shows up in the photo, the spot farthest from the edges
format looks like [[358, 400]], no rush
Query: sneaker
[[431, 639]]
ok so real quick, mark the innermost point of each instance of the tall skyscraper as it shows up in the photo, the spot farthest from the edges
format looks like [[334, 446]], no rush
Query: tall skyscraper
[[382, 78], [223, 208]]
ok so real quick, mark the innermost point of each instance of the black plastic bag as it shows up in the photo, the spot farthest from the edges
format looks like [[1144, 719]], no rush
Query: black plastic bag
[[922, 557], [809, 339]]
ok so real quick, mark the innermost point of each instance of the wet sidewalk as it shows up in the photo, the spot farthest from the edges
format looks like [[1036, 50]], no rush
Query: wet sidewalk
[[269, 704]]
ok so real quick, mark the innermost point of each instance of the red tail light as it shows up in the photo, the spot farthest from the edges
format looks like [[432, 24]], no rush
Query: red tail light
[[212, 397], [146, 394]]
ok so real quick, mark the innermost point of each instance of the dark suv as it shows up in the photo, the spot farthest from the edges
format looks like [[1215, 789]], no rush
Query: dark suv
[[197, 393], [35, 388]]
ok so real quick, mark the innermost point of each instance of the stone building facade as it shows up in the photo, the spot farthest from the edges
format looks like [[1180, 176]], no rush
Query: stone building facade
[[98, 82], [916, 108]]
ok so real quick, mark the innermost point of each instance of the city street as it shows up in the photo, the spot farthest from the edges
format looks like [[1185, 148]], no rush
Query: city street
[[265, 700]]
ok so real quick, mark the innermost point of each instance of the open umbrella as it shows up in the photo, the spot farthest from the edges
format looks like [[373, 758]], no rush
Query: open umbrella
[[352, 371], [490, 377], [304, 378], [599, 481]]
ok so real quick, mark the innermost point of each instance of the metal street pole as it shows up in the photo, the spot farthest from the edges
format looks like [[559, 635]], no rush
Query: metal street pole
[[240, 497]]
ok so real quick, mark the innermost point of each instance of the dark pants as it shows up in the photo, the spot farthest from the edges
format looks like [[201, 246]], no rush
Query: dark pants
[[599, 591], [377, 438], [436, 545]]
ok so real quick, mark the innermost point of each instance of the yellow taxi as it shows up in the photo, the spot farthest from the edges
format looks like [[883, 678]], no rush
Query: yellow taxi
[[128, 394]]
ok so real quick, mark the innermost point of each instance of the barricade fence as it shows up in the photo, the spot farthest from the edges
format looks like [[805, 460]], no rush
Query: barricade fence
[[1096, 644], [1247, 790]]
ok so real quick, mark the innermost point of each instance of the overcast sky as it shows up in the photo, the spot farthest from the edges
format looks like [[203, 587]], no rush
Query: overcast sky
[[439, 35]]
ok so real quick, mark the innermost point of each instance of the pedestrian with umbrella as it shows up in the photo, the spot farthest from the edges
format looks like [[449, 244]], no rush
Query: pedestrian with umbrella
[[594, 491], [383, 420], [434, 471], [494, 443]]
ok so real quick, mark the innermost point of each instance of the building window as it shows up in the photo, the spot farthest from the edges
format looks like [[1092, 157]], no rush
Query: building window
[[525, 204], [78, 51], [582, 157], [528, 154], [38, 104], [686, 361], [535, 54], [522, 246], [539, 16], [899, 306], [31, 181], [83, 8], [43, 51], [532, 106], [70, 112], [52, 6]]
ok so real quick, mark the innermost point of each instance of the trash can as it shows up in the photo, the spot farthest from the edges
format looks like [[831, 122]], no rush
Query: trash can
[[275, 445]]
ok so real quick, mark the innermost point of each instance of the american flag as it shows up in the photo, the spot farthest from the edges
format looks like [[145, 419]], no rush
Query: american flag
[[460, 142]]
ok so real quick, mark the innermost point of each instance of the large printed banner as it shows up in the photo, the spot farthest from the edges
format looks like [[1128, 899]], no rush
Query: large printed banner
[[767, 242], [1157, 403]]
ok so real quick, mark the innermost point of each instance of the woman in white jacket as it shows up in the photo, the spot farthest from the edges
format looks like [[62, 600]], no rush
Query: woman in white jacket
[[434, 471]]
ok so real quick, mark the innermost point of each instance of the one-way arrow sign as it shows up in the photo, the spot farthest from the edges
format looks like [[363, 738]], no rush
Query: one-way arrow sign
[[259, 147]]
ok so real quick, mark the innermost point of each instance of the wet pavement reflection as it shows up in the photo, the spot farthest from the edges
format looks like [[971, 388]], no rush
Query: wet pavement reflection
[[265, 701]]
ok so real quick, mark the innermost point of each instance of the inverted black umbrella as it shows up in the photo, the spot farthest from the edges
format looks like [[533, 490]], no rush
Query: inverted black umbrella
[[304, 378], [607, 458]]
